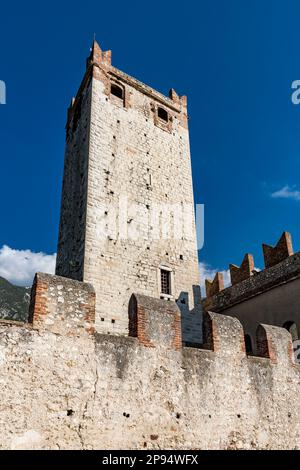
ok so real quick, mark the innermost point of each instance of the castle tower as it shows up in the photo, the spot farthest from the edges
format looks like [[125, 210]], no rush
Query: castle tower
[[127, 213]]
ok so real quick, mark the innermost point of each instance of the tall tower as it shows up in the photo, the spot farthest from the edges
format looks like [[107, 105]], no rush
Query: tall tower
[[127, 213]]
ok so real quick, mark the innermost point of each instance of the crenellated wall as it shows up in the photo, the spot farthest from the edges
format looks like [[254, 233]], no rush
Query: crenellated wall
[[71, 388], [280, 266], [270, 296]]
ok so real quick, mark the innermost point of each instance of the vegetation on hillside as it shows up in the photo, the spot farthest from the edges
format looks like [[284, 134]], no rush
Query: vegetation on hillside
[[14, 301]]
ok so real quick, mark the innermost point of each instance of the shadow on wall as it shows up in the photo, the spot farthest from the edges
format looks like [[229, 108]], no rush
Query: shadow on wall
[[191, 318]]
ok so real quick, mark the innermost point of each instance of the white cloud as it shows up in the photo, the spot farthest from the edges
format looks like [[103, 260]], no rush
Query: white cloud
[[20, 266], [287, 192], [207, 272]]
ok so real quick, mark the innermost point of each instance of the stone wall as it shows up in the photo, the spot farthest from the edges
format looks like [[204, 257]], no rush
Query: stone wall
[[91, 391], [278, 306]]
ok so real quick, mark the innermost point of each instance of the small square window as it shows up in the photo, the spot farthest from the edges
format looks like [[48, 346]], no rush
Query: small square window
[[165, 277], [162, 114]]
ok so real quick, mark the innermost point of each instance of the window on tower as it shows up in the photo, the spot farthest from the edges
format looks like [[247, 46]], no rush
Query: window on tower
[[162, 114], [117, 91], [165, 278]]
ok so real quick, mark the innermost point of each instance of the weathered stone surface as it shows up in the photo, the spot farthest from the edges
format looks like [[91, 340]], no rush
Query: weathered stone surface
[[113, 392], [62, 305]]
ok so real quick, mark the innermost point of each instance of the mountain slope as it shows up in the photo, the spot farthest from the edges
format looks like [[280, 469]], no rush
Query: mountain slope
[[14, 301]]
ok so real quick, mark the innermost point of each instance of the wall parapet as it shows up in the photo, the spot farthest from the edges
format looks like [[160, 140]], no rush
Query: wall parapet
[[61, 305], [99, 66], [67, 307], [248, 282], [282, 250], [275, 343], [155, 322], [242, 272], [215, 286], [72, 389]]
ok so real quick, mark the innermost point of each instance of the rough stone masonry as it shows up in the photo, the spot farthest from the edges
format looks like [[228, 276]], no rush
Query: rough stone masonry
[[65, 386]]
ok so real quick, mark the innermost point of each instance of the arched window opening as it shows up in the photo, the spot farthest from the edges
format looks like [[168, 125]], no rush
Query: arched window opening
[[162, 114], [292, 328], [117, 91], [248, 344]]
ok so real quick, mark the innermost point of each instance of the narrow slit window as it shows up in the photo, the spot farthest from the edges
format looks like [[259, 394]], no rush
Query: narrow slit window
[[165, 277], [162, 114], [117, 91]]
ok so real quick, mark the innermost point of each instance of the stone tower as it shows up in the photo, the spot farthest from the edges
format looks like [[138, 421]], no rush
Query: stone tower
[[127, 212]]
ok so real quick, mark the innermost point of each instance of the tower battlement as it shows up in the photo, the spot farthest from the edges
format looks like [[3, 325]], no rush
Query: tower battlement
[[99, 66]]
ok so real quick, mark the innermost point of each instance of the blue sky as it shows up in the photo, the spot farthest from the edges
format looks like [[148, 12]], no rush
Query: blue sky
[[235, 60]]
